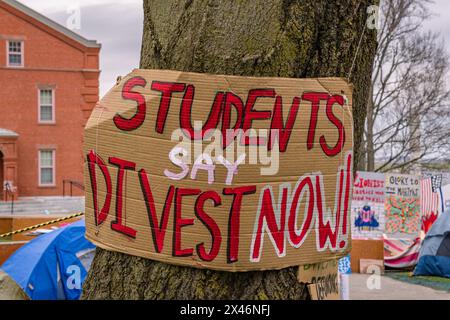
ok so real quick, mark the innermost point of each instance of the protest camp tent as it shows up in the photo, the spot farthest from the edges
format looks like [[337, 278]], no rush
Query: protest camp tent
[[434, 258], [54, 265]]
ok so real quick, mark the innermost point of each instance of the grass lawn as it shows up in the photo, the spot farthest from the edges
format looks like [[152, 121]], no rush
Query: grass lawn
[[436, 283]]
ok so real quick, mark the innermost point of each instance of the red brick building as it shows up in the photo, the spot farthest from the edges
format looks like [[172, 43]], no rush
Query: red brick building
[[49, 83]]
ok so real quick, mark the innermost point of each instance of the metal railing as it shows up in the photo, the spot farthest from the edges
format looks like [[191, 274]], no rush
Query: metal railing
[[71, 183], [9, 193]]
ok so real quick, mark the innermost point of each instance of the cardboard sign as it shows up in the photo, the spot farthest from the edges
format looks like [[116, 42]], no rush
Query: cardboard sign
[[370, 266], [368, 205], [221, 172], [313, 272], [324, 290], [322, 279], [402, 205]]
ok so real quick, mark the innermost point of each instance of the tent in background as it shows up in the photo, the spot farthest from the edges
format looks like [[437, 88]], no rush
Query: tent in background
[[54, 265], [434, 258]]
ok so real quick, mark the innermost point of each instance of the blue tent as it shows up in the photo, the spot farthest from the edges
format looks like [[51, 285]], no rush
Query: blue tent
[[54, 265], [434, 257]]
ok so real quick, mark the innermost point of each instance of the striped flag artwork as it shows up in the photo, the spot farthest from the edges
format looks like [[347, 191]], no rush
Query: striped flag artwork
[[429, 200], [436, 182], [444, 193], [401, 253]]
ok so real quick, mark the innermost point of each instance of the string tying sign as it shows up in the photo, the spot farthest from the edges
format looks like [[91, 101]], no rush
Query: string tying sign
[[221, 172]]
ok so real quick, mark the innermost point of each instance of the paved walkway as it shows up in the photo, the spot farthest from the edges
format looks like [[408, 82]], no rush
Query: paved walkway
[[9, 290], [390, 289]]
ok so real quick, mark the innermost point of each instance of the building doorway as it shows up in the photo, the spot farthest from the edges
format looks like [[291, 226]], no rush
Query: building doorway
[[8, 164]]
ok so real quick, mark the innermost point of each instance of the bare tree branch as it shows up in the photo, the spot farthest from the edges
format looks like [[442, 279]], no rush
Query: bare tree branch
[[408, 116]]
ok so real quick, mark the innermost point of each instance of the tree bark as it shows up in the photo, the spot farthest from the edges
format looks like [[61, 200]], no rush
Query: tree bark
[[285, 38], [370, 162]]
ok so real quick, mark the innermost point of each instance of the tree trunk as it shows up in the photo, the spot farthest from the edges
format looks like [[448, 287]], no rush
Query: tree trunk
[[370, 164], [308, 38]]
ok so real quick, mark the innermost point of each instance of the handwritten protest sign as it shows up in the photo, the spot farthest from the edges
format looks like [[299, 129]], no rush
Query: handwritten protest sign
[[324, 290], [313, 272], [402, 204], [321, 279], [368, 205], [221, 172]]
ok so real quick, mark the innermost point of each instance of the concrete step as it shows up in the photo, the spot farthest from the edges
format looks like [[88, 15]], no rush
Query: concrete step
[[45, 200], [41, 205]]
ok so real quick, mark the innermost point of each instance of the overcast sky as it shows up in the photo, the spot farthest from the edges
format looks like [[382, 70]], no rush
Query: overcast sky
[[117, 25]]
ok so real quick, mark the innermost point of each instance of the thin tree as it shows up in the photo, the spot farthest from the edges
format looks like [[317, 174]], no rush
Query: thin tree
[[308, 38], [409, 110]]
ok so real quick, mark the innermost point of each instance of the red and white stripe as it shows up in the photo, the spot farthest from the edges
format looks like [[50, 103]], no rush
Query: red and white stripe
[[401, 253], [429, 200]]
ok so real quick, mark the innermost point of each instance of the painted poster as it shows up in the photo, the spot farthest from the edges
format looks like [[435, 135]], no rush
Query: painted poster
[[344, 265], [368, 218], [402, 205], [444, 193], [443, 177], [221, 172], [440, 184], [430, 200], [322, 279]]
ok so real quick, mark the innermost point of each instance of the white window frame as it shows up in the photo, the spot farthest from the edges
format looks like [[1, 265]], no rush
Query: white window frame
[[22, 54], [53, 167], [53, 121]]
